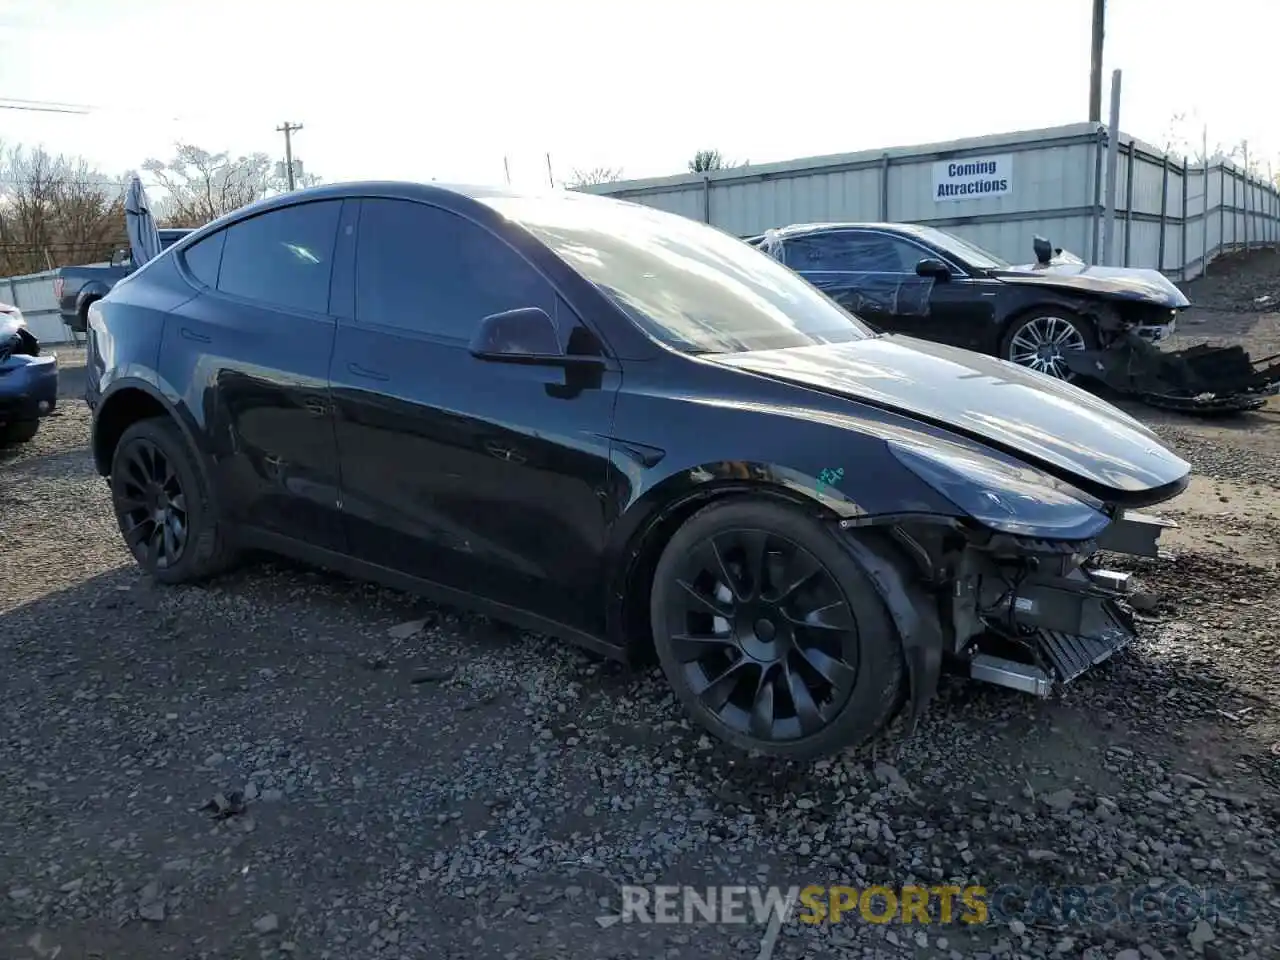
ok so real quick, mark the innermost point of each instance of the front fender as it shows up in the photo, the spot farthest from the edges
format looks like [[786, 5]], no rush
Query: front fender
[[654, 502]]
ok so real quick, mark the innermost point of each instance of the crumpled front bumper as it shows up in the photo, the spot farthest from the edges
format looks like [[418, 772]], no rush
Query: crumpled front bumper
[[28, 387]]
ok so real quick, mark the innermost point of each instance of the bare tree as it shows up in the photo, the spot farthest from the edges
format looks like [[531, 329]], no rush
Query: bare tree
[[201, 186], [585, 178], [89, 211], [55, 210]]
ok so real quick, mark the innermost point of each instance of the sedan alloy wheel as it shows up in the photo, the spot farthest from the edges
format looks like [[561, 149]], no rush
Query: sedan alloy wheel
[[1040, 343]]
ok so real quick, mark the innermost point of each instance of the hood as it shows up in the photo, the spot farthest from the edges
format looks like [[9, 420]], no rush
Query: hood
[[1126, 283], [15, 338], [1054, 425], [10, 324]]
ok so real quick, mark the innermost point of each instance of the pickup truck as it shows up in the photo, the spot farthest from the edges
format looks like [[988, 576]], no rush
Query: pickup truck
[[75, 288]]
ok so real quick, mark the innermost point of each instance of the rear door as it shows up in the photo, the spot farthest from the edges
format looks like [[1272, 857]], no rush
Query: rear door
[[488, 478], [255, 346]]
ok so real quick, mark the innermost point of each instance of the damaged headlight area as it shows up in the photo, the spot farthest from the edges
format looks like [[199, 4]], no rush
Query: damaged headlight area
[[1004, 495]]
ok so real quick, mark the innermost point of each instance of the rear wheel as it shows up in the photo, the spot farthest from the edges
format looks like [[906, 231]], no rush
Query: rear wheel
[[166, 516], [18, 432], [771, 634], [1040, 338]]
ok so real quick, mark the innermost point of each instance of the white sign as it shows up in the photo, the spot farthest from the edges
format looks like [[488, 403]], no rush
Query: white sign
[[973, 178]]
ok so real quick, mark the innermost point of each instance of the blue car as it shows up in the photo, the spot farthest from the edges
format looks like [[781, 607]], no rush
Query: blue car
[[28, 381]]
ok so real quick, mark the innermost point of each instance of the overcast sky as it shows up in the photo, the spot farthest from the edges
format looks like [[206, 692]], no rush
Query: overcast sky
[[397, 89]]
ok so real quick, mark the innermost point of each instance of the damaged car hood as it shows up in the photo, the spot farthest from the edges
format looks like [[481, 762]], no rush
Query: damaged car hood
[[1126, 283], [15, 338], [1044, 421]]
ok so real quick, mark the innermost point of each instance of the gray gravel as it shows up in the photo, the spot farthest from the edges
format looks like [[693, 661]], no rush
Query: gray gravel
[[289, 764]]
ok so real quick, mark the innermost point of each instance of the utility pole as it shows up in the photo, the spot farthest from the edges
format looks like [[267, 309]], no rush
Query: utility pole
[[1113, 172], [288, 129], [1095, 62]]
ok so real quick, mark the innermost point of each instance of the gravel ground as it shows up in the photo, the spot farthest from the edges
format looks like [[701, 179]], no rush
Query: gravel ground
[[288, 764]]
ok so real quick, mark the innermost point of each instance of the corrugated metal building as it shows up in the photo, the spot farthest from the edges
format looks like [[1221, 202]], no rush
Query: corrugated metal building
[[997, 191]]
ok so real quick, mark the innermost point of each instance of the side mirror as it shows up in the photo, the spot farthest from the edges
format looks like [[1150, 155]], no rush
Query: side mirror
[[1043, 250], [935, 269], [524, 335], [121, 257]]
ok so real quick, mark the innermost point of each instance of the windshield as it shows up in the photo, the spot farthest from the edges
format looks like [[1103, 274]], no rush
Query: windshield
[[968, 252], [688, 285]]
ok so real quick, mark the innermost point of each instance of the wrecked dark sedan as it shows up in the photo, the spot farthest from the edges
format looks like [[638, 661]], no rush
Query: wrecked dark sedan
[[28, 381], [928, 283], [620, 426]]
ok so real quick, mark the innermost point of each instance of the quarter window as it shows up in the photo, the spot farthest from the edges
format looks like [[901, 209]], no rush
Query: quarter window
[[283, 258], [204, 258], [430, 270]]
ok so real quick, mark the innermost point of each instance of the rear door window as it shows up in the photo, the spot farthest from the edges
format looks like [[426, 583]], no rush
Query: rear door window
[[282, 258]]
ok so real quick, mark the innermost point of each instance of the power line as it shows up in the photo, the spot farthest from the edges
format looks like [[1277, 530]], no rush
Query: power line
[[61, 181], [48, 103], [40, 109]]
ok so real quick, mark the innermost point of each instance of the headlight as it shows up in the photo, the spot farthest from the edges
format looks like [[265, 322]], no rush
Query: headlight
[[1003, 494]]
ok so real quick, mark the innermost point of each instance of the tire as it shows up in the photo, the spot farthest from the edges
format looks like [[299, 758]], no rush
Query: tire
[[153, 469], [82, 316], [1071, 331], [720, 663], [19, 431]]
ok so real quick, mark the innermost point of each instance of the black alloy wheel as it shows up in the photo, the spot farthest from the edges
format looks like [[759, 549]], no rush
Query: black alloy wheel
[[164, 513], [765, 638], [151, 506]]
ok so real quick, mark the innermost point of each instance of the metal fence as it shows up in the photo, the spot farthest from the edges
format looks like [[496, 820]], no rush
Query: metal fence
[[33, 295], [1170, 215]]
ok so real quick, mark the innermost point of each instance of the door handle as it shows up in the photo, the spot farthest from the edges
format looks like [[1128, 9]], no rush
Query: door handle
[[365, 372], [188, 334], [316, 407]]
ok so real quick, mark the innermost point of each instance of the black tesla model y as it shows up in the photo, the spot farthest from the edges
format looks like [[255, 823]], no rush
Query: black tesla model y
[[620, 426]]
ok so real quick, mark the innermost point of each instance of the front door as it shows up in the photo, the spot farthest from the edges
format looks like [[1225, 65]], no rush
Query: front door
[[488, 478], [256, 344], [963, 312], [870, 274]]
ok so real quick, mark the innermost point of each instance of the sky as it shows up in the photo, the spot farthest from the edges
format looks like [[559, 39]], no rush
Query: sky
[[393, 89]]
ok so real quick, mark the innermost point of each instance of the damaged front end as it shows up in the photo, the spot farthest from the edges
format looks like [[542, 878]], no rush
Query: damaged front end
[[1013, 592], [1035, 614], [28, 379], [1022, 612]]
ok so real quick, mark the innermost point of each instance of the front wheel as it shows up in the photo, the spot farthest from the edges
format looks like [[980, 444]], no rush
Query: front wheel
[[771, 634], [1040, 339]]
